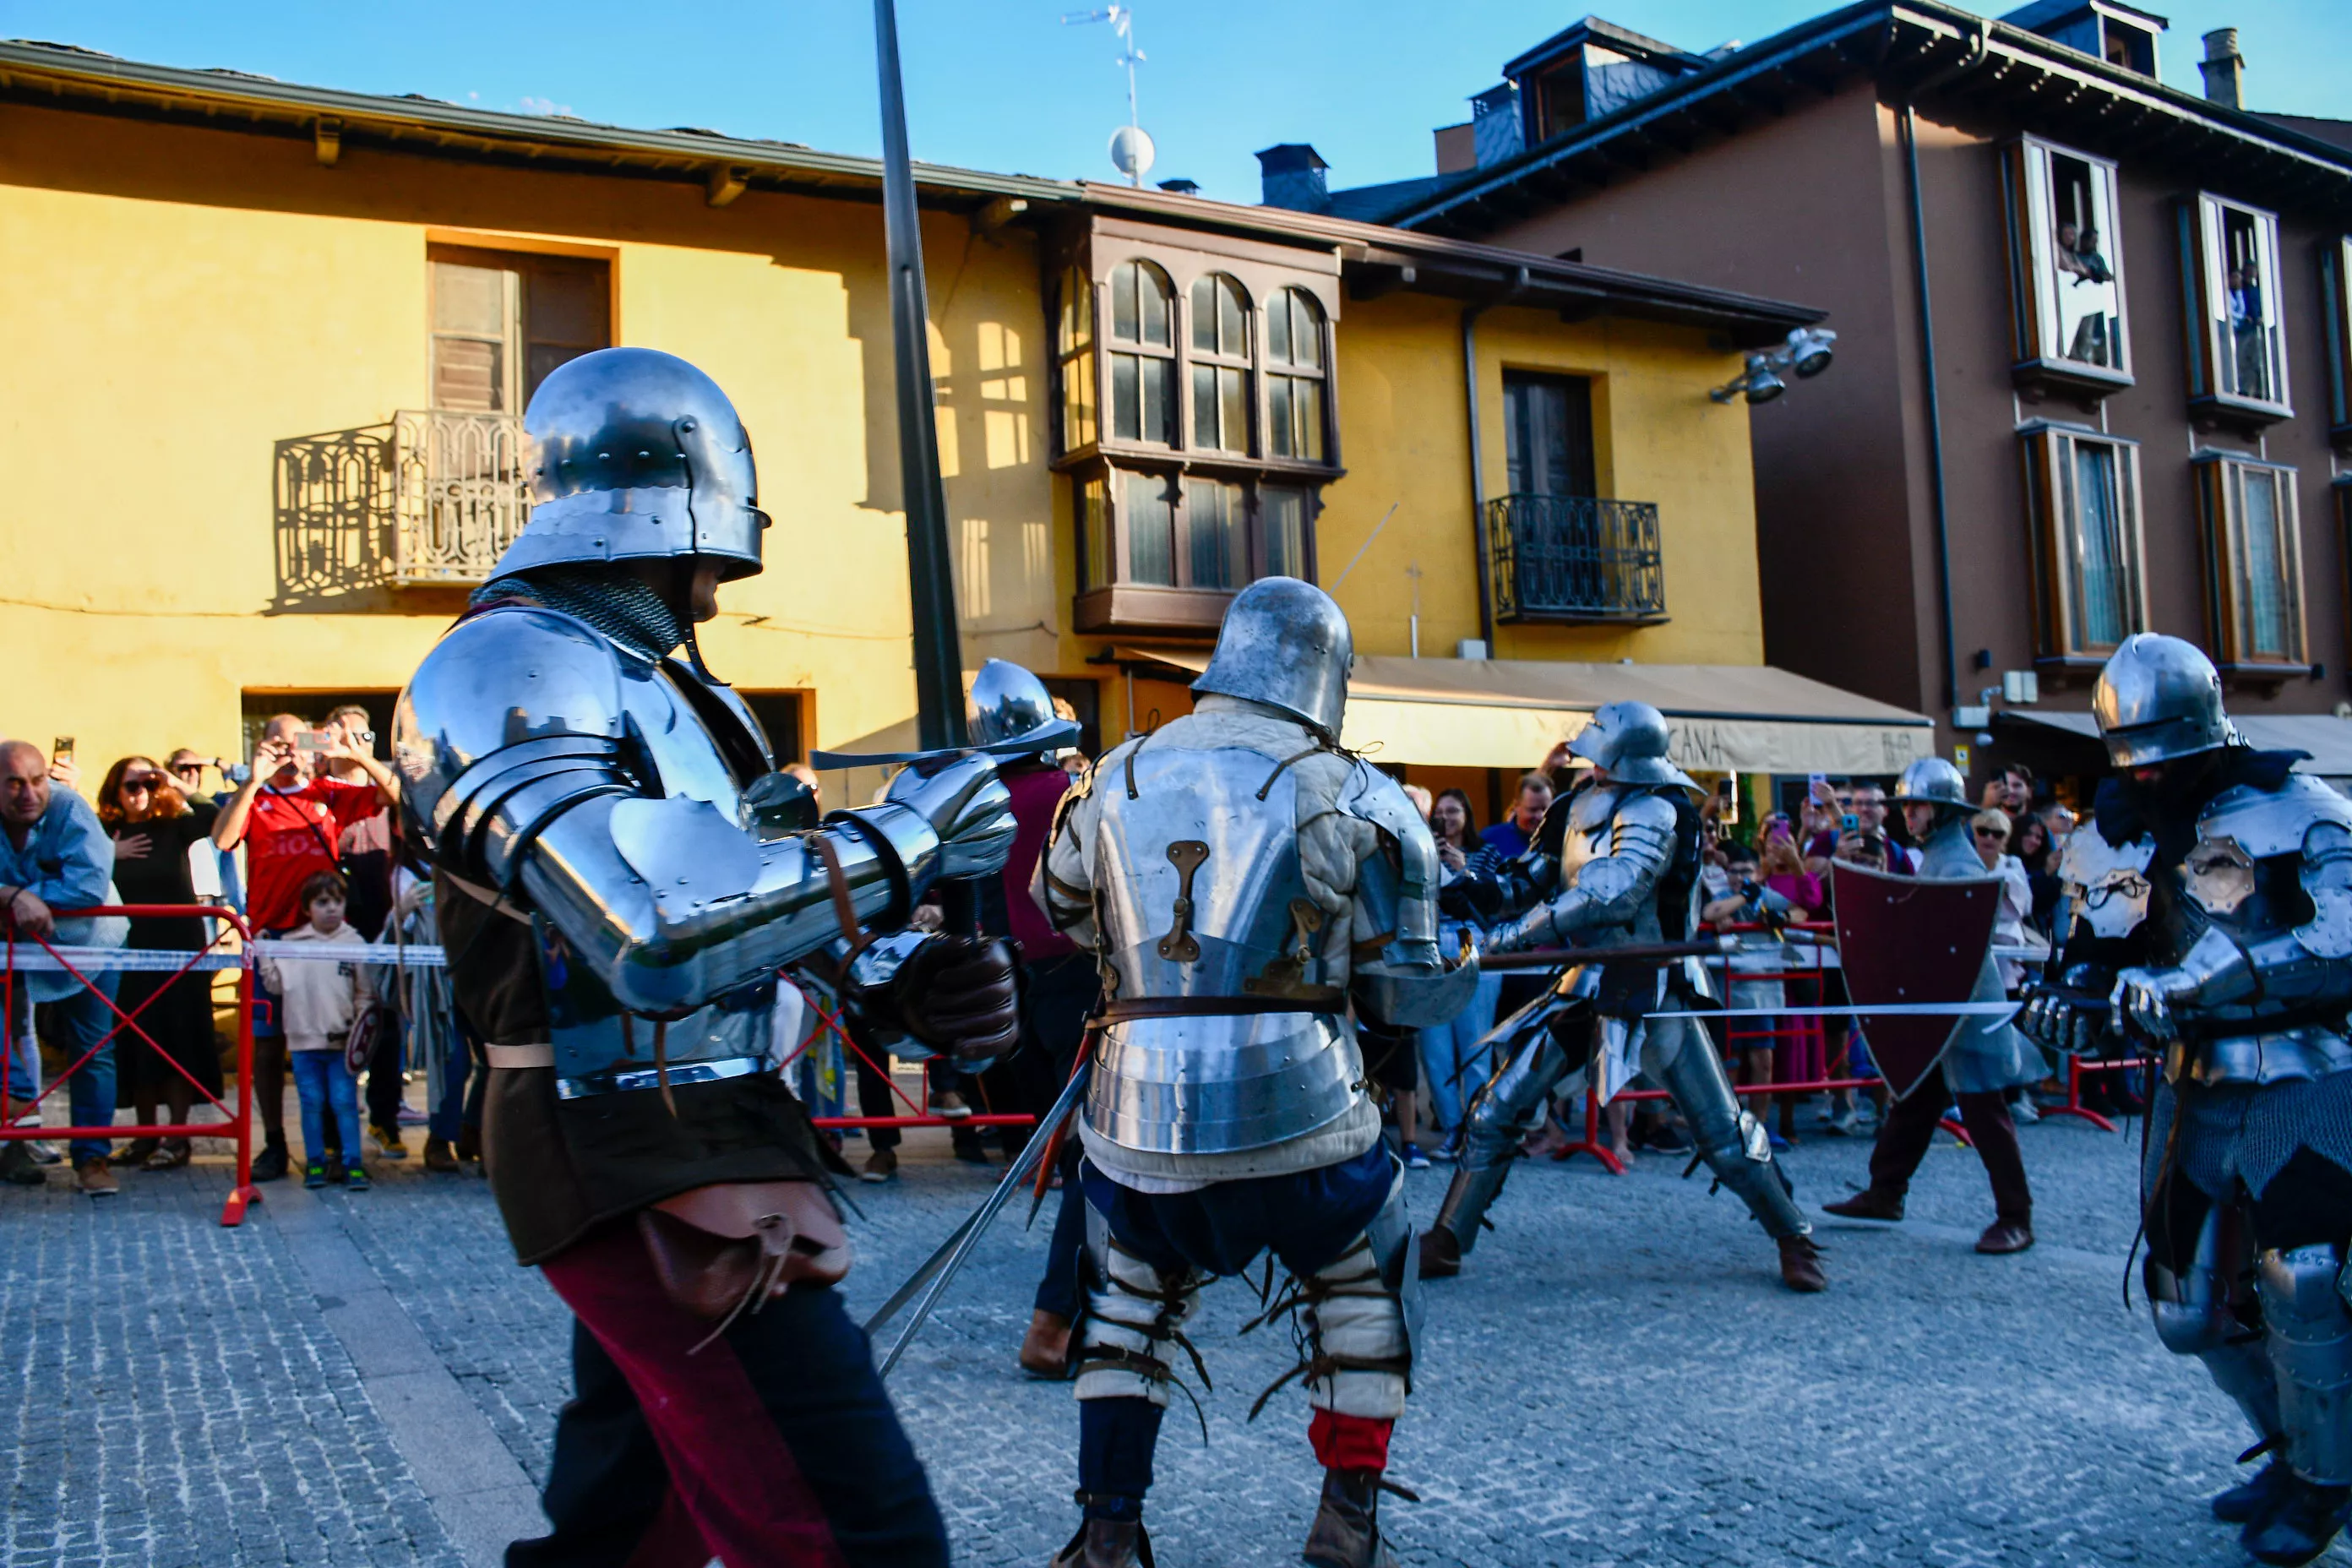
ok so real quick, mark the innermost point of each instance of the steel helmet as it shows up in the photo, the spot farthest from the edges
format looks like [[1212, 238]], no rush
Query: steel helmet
[[1285, 644], [636, 455], [1009, 705], [1629, 739], [1931, 781], [2159, 698]]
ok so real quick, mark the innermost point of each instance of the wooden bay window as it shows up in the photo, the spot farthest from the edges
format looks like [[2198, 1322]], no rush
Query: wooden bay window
[[2082, 495], [2067, 285], [2237, 348], [2253, 566]]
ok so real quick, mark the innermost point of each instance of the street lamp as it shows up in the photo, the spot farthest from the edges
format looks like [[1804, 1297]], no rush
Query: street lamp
[[1807, 351]]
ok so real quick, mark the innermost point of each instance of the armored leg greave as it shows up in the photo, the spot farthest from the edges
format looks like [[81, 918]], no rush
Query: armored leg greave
[[2310, 1335], [2203, 1310], [1681, 1060], [1506, 1110]]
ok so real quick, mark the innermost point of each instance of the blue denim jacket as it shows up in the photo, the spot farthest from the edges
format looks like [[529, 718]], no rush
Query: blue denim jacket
[[67, 862]]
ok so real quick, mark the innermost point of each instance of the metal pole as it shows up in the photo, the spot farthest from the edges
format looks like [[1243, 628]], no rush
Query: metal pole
[[939, 657]]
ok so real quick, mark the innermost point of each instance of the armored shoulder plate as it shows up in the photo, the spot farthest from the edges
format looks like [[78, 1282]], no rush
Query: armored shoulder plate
[[2267, 822], [2106, 883]]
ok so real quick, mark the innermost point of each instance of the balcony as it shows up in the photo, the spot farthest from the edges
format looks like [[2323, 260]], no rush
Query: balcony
[[1576, 559], [429, 499]]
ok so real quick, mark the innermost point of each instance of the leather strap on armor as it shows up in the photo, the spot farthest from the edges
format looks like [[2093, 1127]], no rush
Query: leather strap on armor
[[1310, 999]]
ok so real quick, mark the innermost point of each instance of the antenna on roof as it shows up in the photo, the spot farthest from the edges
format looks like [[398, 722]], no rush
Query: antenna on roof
[[1130, 148]]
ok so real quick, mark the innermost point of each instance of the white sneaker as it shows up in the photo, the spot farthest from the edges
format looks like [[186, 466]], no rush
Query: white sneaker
[[2025, 1113], [950, 1105]]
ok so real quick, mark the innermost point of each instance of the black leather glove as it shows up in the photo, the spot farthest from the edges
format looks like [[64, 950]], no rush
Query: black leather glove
[[962, 997], [2072, 1016]]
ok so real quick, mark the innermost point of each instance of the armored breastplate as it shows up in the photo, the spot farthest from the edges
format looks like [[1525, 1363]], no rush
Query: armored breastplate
[[2243, 877], [681, 731], [1591, 834], [1201, 896]]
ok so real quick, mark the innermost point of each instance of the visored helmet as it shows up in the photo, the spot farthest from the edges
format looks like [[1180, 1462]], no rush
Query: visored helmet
[[1008, 704], [2158, 699], [1285, 644], [1931, 781], [1629, 739], [636, 455]]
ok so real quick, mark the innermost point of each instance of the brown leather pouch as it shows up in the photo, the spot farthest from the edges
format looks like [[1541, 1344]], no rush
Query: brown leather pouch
[[732, 1246]]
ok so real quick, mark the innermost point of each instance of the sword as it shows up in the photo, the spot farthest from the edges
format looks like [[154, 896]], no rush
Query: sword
[[1572, 957], [931, 1279]]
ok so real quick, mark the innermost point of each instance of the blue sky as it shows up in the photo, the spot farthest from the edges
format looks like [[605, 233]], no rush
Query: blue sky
[[1002, 85]]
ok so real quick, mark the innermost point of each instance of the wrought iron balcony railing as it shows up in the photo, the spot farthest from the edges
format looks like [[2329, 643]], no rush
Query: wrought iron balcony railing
[[1575, 558], [432, 496]]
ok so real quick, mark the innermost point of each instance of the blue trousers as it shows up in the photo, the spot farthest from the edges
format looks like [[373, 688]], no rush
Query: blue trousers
[[325, 1087], [83, 1019]]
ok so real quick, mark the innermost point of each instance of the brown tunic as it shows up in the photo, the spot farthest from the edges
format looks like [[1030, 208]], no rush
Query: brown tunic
[[561, 1167]]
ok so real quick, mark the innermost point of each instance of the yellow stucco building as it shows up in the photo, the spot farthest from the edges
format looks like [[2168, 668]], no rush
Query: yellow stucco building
[[269, 346]]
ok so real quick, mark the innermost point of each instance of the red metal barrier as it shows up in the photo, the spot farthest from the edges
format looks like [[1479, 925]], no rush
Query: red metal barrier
[[917, 1116], [239, 1124], [1819, 933], [2075, 1067]]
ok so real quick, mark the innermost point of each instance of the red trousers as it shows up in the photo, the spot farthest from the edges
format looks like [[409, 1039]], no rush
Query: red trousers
[[773, 1446]]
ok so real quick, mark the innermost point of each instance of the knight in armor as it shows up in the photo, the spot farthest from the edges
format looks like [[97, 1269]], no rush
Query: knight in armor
[[2208, 917], [1615, 863], [1242, 882], [1978, 1066], [619, 875]]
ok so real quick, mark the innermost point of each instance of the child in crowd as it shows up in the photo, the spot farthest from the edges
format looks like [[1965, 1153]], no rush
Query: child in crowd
[[319, 1002]]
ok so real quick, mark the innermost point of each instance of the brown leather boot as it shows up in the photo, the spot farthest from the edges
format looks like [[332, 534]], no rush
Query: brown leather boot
[[1106, 1543], [2006, 1236], [1800, 1265], [1045, 1348], [1441, 1254], [1346, 1531], [1867, 1203]]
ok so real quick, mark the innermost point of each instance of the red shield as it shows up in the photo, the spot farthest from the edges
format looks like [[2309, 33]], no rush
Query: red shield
[[1908, 941]]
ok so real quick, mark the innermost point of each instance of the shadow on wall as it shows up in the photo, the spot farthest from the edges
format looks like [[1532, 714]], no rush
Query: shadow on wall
[[380, 517]]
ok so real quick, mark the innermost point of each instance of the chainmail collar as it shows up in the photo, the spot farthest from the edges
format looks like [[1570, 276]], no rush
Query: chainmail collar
[[618, 604]]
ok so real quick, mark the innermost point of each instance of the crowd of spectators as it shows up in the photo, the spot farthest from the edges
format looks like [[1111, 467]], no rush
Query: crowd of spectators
[[304, 846]]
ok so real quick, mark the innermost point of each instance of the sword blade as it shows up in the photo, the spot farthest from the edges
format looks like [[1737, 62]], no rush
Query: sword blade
[[940, 1267]]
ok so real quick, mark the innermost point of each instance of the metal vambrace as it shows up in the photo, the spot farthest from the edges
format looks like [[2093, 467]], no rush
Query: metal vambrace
[[1679, 1057], [2310, 1342], [2201, 1310], [1609, 891], [1359, 1320], [1504, 1112], [1133, 1313]]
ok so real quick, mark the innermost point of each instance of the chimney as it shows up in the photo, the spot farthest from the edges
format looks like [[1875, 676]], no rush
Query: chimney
[[2224, 68], [1291, 175]]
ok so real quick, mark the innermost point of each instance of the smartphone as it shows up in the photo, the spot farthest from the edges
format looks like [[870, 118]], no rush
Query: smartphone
[[61, 749], [1816, 781], [1851, 821], [314, 740]]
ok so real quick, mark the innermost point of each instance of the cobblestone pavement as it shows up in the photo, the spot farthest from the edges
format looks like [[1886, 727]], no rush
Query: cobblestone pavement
[[1617, 1378]]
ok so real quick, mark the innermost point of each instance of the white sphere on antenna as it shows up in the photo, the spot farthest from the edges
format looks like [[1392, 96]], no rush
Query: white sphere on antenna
[[1130, 152]]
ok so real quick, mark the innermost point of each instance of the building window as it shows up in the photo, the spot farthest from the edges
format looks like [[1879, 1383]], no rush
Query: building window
[[1284, 511], [2066, 272], [1548, 435], [2237, 352], [1142, 355], [2082, 489], [2336, 279], [1295, 363], [1213, 530], [2253, 562], [1095, 569], [1074, 348], [502, 320], [1220, 364]]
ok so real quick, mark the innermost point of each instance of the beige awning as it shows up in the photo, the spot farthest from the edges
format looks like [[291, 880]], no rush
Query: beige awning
[[1507, 713]]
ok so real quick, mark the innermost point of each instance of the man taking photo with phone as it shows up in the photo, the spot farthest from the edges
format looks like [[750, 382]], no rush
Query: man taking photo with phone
[[289, 823]]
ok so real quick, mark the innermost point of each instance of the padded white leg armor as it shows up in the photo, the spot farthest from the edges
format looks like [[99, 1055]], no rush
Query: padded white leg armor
[[2203, 1312], [1133, 1313], [1359, 1320], [2310, 1335]]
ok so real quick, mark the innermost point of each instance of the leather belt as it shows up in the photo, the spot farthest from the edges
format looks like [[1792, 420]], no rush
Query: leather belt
[[1328, 999]]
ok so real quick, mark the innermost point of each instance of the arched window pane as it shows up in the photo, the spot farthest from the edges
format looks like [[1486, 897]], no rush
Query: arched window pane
[[1140, 305], [1077, 316], [1277, 329], [1218, 317]]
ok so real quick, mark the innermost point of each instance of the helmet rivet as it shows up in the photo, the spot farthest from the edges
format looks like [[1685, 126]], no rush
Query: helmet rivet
[[685, 424]]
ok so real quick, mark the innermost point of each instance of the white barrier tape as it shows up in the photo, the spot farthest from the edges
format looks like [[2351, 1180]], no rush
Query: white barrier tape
[[39, 961], [1884, 1010]]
